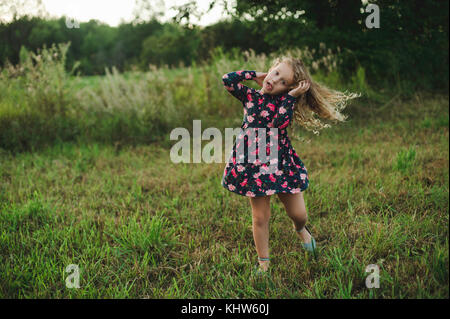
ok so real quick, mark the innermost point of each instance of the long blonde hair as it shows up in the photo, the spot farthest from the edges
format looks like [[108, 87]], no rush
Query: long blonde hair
[[319, 99]]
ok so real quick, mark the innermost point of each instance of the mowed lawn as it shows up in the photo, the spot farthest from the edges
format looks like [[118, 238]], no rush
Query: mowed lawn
[[139, 226]]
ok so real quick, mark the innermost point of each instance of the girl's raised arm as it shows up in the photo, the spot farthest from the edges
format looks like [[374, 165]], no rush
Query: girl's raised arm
[[285, 112], [231, 82]]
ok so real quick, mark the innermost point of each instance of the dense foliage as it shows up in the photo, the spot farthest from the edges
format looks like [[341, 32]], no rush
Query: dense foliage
[[411, 43]]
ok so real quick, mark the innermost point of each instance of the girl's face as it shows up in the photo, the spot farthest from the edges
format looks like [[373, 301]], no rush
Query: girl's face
[[279, 80]]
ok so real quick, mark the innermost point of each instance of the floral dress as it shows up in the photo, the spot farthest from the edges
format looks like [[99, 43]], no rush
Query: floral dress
[[252, 178]]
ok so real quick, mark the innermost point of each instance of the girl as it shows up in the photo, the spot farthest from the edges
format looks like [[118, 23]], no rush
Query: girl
[[288, 92]]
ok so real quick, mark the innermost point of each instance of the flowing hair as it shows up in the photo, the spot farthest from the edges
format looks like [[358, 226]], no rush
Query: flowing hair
[[318, 100]]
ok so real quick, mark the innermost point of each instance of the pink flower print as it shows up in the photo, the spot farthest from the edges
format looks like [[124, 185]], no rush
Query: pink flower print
[[234, 161], [258, 182], [271, 106], [249, 95], [282, 98], [269, 125], [231, 187], [244, 182], [225, 76], [233, 172], [240, 168], [257, 162], [298, 166], [264, 113], [295, 190], [245, 125], [270, 192], [279, 172], [245, 111], [248, 76], [250, 118], [303, 176], [260, 101], [251, 194], [273, 179], [284, 185], [239, 72], [284, 125], [249, 104], [282, 110], [256, 175], [239, 85]]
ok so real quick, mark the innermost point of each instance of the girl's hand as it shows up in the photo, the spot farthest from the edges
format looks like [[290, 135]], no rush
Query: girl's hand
[[300, 89], [260, 78]]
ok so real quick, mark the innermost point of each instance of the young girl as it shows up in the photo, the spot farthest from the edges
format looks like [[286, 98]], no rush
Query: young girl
[[288, 92]]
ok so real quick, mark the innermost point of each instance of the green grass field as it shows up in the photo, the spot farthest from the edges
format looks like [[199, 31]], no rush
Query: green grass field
[[86, 179], [140, 226]]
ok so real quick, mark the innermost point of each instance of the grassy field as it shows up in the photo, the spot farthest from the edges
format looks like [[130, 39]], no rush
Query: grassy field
[[86, 179], [140, 226]]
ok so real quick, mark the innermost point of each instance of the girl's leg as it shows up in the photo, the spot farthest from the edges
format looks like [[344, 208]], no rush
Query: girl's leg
[[296, 210], [260, 223]]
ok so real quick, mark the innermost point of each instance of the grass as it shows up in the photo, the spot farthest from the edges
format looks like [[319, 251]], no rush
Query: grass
[[86, 179], [140, 226]]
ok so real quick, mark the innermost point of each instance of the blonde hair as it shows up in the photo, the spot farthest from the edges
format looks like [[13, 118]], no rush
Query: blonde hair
[[319, 99]]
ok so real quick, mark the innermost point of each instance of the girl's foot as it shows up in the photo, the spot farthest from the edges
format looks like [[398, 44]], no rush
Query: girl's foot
[[263, 266], [309, 242], [304, 235]]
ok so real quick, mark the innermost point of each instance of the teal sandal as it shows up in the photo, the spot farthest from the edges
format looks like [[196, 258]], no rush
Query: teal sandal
[[258, 271], [311, 247]]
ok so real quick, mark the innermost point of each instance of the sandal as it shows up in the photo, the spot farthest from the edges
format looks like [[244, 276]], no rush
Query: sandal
[[311, 247], [258, 271]]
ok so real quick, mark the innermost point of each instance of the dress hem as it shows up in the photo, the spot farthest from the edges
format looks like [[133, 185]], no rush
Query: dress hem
[[263, 194]]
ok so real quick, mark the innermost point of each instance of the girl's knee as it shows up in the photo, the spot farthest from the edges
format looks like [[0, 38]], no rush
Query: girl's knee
[[261, 218], [299, 216]]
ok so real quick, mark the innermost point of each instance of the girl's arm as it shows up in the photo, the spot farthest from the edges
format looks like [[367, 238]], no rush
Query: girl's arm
[[285, 111], [231, 82]]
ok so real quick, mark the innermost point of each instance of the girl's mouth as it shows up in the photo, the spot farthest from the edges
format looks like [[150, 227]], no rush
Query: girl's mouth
[[269, 87]]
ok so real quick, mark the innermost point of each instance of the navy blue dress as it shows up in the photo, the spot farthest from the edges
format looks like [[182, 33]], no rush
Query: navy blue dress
[[253, 178]]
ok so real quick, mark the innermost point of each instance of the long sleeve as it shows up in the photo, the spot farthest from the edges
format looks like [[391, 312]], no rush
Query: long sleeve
[[285, 112], [231, 82]]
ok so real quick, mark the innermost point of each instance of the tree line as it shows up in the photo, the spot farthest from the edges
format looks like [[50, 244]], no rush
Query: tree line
[[411, 42]]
